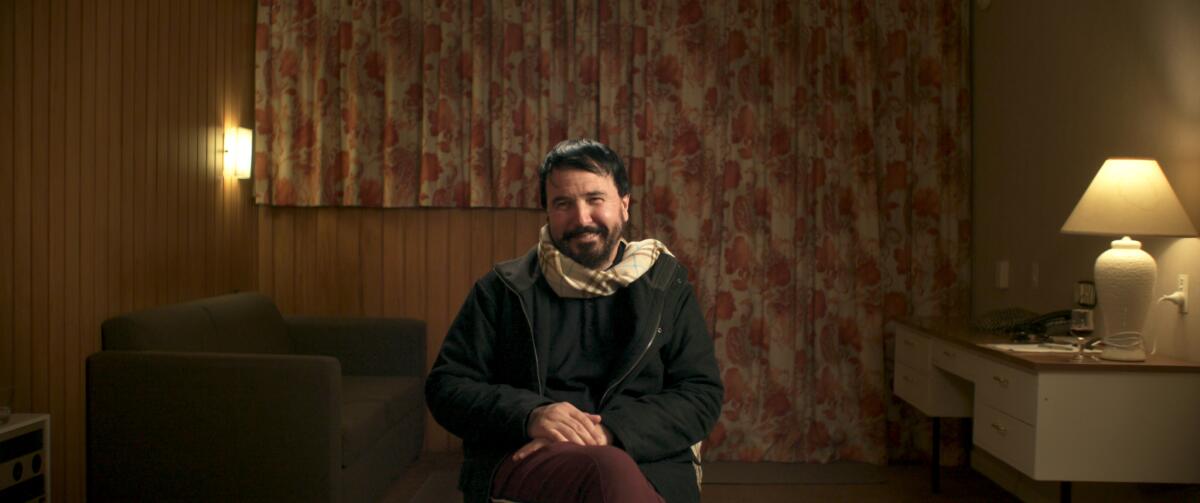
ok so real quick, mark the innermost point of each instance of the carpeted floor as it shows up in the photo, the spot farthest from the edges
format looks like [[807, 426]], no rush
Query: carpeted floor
[[433, 480], [793, 473]]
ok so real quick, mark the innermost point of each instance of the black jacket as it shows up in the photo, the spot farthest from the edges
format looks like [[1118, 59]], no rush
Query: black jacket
[[491, 373]]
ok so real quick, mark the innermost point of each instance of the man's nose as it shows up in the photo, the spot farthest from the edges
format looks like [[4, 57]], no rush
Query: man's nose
[[581, 215]]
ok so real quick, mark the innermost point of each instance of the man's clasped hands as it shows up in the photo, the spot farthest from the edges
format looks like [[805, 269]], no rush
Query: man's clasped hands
[[562, 422]]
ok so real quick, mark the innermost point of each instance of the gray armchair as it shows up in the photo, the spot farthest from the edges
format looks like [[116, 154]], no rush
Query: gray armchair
[[225, 399]]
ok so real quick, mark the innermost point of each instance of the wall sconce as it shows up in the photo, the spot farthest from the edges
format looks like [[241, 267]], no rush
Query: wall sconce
[[239, 152]]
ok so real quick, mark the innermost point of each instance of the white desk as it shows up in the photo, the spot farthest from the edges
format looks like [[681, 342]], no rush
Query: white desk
[[25, 458], [1053, 419]]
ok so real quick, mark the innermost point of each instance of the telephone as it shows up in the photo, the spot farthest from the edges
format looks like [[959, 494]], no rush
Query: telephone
[[1052, 323], [1025, 324]]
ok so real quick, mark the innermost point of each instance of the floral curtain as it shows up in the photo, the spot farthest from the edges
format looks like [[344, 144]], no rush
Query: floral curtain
[[808, 160]]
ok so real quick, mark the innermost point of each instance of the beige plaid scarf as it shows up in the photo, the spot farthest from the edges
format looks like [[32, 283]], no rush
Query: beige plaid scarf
[[569, 279]]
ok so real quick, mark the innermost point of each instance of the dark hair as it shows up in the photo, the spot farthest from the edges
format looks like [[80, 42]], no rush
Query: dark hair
[[588, 155]]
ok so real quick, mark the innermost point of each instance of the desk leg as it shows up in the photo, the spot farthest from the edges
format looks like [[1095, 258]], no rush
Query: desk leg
[[1064, 492], [935, 465], [967, 438]]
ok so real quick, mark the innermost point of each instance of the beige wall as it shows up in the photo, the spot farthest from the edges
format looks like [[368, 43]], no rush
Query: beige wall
[[1059, 87]]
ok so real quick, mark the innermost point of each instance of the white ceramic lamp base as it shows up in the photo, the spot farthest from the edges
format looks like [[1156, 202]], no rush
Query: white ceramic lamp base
[[1125, 276]]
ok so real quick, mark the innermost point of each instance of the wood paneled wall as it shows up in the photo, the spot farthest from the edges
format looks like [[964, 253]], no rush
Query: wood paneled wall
[[415, 263], [111, 194]]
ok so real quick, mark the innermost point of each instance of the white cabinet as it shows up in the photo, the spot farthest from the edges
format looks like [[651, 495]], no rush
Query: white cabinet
[[1054, 419], [931, 390], [25, 458]]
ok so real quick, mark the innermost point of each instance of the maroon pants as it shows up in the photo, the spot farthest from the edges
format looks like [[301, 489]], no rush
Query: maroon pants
[[564, 471]]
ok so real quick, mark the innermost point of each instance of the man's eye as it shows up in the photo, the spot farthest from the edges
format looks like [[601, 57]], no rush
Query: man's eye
[[596, 200]]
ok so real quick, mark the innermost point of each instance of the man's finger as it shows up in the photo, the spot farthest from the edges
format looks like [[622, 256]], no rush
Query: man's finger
[[530, 448], [572, 435], [558, 436], [580, 431], [586, 428]]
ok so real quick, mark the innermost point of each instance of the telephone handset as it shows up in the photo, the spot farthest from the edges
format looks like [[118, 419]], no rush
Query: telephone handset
[[1025, 323], [1052, 323]]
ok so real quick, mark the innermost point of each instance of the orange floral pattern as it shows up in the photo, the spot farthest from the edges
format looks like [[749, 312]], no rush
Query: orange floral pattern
[[808, 160]]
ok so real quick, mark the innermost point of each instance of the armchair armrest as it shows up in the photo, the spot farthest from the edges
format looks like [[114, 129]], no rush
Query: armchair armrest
[[364, 346], [164, 425]]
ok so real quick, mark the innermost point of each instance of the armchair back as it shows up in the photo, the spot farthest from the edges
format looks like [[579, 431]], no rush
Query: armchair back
[[236, 323]]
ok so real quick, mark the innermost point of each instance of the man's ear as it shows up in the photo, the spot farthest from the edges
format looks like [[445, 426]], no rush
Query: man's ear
[[625, 206]]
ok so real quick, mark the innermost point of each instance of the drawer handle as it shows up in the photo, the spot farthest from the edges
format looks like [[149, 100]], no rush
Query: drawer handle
[[908, 379], [999, 428], [948, 354], [1003, 382], [909, 343]]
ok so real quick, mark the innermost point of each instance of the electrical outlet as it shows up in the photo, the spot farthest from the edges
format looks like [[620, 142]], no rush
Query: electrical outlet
[[1181, 285]]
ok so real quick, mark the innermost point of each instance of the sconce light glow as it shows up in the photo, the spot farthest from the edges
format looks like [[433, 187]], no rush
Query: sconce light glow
[[239, 151]]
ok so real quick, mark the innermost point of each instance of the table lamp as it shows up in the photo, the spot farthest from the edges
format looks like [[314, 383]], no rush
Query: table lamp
[[1127, 197]]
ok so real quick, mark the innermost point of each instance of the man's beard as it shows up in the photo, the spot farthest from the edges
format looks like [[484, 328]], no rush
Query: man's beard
[[593, 254]]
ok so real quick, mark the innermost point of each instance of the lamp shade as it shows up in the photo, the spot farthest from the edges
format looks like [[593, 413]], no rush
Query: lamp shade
[[1129, 197]]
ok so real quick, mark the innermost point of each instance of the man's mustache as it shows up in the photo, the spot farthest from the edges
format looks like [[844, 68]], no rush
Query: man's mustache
[[579, 231]]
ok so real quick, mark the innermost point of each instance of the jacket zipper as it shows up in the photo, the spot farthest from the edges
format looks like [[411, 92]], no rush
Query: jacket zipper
[[611, 387], [537, 366]]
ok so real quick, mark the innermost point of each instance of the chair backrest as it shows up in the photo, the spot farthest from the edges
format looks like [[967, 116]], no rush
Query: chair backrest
[[235, 323]]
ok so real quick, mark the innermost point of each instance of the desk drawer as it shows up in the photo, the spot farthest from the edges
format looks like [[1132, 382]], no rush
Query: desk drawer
[[912, 387], [1008, 389], [955, 360], [1005, 437], [912, 348]]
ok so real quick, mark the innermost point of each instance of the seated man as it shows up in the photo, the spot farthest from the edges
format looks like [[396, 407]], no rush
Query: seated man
[[582, 371]]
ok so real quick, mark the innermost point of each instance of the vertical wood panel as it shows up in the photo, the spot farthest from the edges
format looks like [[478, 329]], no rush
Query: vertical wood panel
[[142, 142], [22, 207], [347, 273], [372, 262], [152, 230], [504, 223], [89, 318], [201, 120], [415, 271], [7, 215], [325, 240], [483, 235], [306, 263], [66, 356], [116, 135], [173, 148], [105, 129], [283, 247], [393, 274], [41, 201], [126, 189]]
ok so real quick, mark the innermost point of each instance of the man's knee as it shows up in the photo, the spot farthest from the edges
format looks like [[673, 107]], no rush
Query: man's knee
[[605, 462], [589, 473]]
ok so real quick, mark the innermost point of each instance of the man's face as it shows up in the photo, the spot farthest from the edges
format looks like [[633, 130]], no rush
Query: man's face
[[586, 216]]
